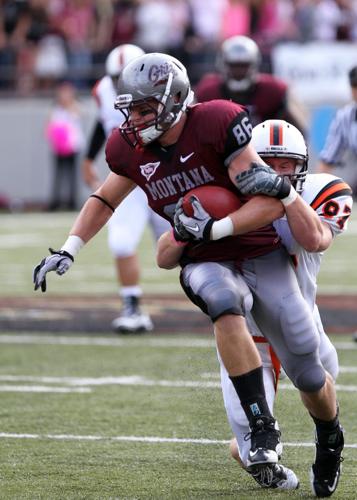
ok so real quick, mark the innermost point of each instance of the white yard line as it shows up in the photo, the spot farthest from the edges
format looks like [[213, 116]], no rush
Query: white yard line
[[137, 439], [42, 389], [106, 341], [134, 380], [348, 369], [35, 339]]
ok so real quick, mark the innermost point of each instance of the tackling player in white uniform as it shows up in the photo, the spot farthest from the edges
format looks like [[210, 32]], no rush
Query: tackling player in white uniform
[[126, 226], [282, 147]]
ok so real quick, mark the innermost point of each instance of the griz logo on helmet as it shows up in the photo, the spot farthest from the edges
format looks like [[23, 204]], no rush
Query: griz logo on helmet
[[159, 74]]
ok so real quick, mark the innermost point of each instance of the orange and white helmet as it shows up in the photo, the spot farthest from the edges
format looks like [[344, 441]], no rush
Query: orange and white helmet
[[120, 57], [280, 139]]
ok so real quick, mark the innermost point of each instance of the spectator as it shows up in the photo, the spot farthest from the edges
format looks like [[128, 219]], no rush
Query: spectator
[[335, 20], [65, 137], [124, 27], [204, 39], [235, 19], [23, 26], [76, 22]]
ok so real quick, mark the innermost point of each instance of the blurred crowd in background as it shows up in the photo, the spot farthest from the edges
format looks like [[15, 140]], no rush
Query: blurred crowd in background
[[46, 41]]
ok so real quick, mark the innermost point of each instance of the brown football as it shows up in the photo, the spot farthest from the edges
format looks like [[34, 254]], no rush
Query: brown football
[[216, 200]]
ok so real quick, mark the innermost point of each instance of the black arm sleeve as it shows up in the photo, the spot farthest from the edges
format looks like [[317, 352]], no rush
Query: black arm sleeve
[[96, 141]]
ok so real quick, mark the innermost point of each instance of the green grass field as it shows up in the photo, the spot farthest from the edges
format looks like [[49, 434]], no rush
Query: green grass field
[[105, 417], [25, 238], [138, 418]]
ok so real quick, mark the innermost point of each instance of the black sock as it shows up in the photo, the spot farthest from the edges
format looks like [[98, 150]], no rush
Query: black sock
[[251, 392], [328, 432]]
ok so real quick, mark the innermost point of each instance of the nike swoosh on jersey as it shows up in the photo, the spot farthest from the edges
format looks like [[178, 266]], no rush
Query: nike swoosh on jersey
[[183, 159]]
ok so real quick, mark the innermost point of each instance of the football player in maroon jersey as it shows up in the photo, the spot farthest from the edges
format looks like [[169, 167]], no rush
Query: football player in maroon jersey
[[239, 80], [167, 147]]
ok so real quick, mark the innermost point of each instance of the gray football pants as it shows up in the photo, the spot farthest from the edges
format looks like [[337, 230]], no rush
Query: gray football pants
[[268, 286]]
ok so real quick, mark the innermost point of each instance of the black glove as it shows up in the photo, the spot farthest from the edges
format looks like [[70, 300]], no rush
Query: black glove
[[180, 233], [261, 179], [59, 261], [200, 224]]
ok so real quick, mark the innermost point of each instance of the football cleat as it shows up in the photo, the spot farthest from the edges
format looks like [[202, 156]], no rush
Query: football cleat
[[276, 477], [131, 319], [265, 443], [325, 472]]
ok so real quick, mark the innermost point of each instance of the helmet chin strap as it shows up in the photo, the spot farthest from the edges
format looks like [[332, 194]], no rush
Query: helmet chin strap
[[189, 99]]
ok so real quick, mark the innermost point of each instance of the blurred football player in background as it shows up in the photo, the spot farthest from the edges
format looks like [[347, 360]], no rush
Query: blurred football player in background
[[239, 80], [126, 227], [306, 230], [168, 147]]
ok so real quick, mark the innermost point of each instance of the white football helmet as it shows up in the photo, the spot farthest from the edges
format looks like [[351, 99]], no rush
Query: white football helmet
[[278, 138], [239, 61], [153, 77], [119, 57]]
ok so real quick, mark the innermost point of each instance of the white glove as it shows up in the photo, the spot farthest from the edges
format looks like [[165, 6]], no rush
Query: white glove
[[59, 261], [200, 224], [180, 233]]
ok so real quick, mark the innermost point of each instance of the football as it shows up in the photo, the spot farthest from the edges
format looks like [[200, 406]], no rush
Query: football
[[216, 200]]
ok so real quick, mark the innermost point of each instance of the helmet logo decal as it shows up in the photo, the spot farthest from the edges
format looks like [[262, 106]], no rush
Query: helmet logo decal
[[159, 74], [149, 169]]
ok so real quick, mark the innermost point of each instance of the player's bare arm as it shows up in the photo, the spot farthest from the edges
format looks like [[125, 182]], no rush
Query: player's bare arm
[[168, 252], [308, 229], [260, 210], [95, 213], [99, 208]]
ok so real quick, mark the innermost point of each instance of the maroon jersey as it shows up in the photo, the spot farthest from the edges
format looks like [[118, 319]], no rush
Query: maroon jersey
[[213, 133], [265, 100]]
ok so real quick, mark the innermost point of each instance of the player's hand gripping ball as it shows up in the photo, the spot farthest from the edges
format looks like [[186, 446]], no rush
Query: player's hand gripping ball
[[217, 201]]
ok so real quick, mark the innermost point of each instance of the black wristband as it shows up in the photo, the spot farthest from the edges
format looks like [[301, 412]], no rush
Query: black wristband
[[181, 237], [103, 201], [284, 188], [207, 230]]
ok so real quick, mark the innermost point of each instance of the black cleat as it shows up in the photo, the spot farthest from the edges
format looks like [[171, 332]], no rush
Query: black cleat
[[325, 472], [265, 443]]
